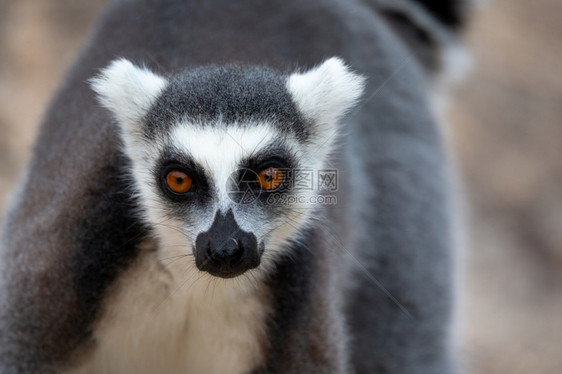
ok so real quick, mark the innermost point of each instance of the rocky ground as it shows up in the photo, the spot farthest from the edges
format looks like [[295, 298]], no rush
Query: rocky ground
[[506, 125]]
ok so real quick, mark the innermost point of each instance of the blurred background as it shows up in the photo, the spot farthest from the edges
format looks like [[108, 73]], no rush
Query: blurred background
[[506, 135]]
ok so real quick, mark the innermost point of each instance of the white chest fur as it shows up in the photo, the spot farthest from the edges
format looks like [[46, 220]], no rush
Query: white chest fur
[[153, 323]]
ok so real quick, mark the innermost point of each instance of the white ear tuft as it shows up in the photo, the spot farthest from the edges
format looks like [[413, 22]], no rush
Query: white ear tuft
[[325, 93], [127, 90]]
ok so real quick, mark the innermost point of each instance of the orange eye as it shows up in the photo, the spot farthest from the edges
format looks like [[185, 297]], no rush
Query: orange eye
[[178, 181], [270, 178]]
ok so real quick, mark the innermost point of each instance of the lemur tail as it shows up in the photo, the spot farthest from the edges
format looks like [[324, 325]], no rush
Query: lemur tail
[[429, 27], [450, 13]]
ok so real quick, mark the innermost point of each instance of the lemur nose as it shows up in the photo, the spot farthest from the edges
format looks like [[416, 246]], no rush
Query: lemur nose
[[227, 255], [225, 250]]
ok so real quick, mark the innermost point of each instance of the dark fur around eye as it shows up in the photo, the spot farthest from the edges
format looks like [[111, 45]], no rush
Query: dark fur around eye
[[200, 188]]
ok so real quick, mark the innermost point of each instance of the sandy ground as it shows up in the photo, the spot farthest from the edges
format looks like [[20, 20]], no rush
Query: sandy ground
[[506, 122]]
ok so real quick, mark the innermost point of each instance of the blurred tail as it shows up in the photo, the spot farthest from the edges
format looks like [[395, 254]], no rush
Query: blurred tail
[[450, 13], [429, 27]]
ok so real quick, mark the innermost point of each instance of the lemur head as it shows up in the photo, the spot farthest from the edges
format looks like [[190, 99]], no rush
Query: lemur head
[[210, 147]]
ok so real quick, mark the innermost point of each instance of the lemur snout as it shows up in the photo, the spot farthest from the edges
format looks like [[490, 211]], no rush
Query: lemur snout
[[225, 250]]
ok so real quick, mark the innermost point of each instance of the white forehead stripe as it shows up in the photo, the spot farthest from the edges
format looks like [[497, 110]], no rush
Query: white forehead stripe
[[219, 149]]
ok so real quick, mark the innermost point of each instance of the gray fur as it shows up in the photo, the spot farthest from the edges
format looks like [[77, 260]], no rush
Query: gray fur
[[66, 242], [235, 93]]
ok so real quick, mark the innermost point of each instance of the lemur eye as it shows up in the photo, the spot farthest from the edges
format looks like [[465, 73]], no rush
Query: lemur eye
[[178, 181], [270, 178]]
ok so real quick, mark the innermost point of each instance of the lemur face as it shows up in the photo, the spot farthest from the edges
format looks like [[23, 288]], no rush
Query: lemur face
[[224, 183], [216, 154]]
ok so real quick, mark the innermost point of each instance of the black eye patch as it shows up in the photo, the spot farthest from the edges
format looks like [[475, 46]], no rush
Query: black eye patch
[[278, 157], [201, 184], [250, 169]]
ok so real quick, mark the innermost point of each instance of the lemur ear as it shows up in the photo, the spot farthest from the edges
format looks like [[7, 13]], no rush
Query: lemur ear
[[127, 90], [325, 93]]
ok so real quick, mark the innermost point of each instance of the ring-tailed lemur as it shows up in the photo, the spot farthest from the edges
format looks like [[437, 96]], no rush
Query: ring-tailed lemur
[[223, 216]]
